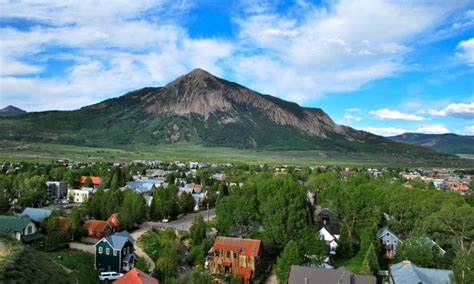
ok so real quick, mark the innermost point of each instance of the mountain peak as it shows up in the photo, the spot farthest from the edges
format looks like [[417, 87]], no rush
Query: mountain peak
[[11, 111]]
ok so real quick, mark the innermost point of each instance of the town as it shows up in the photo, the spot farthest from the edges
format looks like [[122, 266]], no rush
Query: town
[[197, 222]]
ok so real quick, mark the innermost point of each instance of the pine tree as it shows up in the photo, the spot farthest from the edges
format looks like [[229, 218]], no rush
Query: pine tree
[[290, 256], [371, 263], [345, 248]]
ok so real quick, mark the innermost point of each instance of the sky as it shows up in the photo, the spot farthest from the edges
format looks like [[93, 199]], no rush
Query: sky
[[387, 67]]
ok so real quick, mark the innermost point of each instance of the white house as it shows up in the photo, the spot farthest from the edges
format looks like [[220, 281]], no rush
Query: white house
[[80, 195], [330, 239]]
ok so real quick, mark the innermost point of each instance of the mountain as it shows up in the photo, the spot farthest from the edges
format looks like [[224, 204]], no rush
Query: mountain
[[11, 111], [448, 143], [202, 109]]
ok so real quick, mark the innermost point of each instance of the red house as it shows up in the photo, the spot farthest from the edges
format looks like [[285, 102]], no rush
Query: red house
[[136, 276], [97, 229], [114, 222], [95, 180]]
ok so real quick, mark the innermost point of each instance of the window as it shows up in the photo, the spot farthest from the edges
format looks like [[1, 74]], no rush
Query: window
[[235, 255], [115, 253], [124, 252], [107, 251], [100, 250], [228, 254], [30, 230]]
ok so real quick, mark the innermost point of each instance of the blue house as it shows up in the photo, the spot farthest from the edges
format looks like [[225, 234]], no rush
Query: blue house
[[37, 214], [115, 253], [389, 242], [407, 272]]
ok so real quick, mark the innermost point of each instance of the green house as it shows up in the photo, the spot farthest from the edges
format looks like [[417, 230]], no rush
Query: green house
[[20, 228], [115, 253]]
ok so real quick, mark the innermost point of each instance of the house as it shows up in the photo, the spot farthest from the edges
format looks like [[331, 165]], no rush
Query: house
[[115, 253], [37, 214], [407, 272], [21, 228], [389, 242], [97, 229], [80, 195], [234, 256], [114, 222], [136, 276], [95, 180], [56, 189], [315, 275], [330, 235], [63, 224]]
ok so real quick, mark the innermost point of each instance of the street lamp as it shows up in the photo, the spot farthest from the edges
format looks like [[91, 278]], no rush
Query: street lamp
[[208, 212]]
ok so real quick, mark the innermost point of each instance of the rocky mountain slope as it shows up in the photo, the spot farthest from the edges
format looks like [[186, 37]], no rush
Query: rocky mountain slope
[[204, 109], [11, 111]]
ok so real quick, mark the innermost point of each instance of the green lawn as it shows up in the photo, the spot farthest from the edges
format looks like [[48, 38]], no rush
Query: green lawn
[[11, 152], [81, 264], [150, 242], [353, 264]]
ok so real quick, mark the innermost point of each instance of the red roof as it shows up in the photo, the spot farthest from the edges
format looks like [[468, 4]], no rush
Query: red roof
[[244, 272], [246, 247], [95, 180], [96, 225], [136, 276], [113, 220]]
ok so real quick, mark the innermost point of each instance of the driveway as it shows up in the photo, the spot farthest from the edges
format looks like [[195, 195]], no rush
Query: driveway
[[184, 223], [83, 247]]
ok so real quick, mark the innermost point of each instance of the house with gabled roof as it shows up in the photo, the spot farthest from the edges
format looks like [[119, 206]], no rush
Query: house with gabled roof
[[115, 253], [408, 272], [38, 215], [234, 256], [21, 228], [97, 228], [389, 242], [136, 276], [316, 275], [95, 180]]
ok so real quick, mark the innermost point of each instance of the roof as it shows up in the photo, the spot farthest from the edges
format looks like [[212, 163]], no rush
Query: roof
[[247, 247], [244, 272], [118, 240], [37, 214], [384, 231], [140, 186], [63, 223], [95, 180], [11, 224], [114, 220], [136, 276], [32, 237], [315, 275], [96, 225], [407, 272]]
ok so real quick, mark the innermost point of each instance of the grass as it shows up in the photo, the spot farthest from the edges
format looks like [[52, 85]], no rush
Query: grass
[[37, 152], [150, 242], [23, 264], [354, 264], [81, 264]]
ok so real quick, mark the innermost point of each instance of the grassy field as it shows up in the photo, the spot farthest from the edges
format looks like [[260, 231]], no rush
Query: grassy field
[[80, 263], [12, 152]]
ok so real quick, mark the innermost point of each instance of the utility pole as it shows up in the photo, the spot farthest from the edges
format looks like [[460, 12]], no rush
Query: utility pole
[[208, 212]]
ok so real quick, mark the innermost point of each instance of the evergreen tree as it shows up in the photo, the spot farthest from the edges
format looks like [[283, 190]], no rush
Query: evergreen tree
[[312, 249], [290, 256], [198, 230], [345, 248], [88, 182], [371, 263], [186, 202], [463, 267]]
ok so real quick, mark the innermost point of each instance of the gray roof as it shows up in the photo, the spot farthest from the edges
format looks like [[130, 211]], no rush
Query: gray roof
[[385, 230], [118, 240], [37, 214], [315, 275], [407, 272]]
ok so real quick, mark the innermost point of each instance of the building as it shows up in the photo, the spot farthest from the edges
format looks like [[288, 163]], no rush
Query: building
[[331, 236], [114, 222], [80, 195], [37, 215], [407, 272], [234, 256], [389, 242], [115, 253], [136, 276], [315, 275], [21, 228], [95, 180], [56, 189], [97, 229]]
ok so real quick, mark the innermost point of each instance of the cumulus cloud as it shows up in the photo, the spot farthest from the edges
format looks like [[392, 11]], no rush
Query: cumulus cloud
[[459, 110], [394, 114], [432, 129], [384, 131], [466, 51], [469, 129]]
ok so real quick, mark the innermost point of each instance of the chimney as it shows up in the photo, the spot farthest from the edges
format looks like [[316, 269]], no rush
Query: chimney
[[306, 281], [406, 263]]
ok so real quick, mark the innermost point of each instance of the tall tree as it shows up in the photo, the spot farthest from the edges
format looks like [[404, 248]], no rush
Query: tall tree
[[419, 250], [165, 203], [371, 264], [290, 256], [312, 249], [463, 266], [345, 248], [198, 230]]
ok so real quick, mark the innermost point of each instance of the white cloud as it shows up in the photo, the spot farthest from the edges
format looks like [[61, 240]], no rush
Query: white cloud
[[394, 114], [469, 130], [432, 129], [354, 109], [384, 131], [459, 110], [349, 116], [466, 51], [13, 67]]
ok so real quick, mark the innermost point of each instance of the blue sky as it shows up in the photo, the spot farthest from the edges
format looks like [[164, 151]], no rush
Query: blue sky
[[383, 66]]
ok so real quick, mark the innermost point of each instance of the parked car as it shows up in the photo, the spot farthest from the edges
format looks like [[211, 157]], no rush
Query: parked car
[[110, 275]]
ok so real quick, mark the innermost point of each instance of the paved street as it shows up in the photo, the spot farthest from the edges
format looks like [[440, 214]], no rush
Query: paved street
[[183, 223]]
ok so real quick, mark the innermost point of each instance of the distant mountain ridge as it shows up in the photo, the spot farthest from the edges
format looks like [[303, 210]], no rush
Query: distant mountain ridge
[[202, 109], [11, 111], [448, 143]]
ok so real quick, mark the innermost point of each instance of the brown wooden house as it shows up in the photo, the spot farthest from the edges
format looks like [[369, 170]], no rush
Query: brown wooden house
[[97, 229], [234, 256]]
